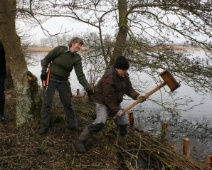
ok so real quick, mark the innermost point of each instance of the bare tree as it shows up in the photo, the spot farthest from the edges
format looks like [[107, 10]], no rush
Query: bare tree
[[25, 83], [144, 30]]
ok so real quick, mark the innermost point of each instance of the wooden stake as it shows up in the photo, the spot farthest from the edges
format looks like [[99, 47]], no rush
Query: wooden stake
[[131, 118], [77, 92], [164, 130], [209, 162], [186, 147]]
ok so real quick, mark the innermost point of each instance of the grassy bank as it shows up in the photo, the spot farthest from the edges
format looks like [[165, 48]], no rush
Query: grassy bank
[[22, 148]]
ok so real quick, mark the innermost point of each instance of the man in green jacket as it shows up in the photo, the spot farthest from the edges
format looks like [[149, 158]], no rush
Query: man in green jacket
[[107, 96], [62, 60]]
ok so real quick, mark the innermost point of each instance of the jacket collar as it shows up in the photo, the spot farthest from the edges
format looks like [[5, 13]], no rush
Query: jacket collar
[[68, 50]]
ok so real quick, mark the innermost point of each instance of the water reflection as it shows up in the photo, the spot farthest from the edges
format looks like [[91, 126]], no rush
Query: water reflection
[[198, 131]]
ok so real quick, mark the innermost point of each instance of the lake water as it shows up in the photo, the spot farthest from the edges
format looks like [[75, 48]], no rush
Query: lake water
[[194, 123]]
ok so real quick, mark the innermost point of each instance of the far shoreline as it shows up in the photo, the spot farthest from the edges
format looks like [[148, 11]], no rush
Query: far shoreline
[[47, 49]]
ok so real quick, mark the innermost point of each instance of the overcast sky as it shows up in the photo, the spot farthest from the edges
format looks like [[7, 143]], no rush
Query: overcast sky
[[54, 26]]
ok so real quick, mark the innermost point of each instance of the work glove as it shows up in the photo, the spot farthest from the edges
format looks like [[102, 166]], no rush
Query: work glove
[[120, 113], [141, 97], [90, 97], [43, 76], [90, 92]]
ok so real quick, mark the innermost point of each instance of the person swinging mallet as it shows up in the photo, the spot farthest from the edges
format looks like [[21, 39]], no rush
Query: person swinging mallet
[[169, 80], [108, 96]]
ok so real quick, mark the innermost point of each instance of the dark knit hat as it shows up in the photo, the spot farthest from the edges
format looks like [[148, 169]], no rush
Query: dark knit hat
[[121, 63]]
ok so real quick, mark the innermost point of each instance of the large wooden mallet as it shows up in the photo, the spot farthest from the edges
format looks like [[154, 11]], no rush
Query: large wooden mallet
[[168, 80]]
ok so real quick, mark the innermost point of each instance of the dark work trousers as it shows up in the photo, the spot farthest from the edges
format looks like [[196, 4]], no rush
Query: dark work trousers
[[64, 90], [2, 95]]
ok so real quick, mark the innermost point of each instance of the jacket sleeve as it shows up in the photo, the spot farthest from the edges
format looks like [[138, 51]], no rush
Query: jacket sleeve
[[81, 76], [131, 92], [110, 95], [50, 57]]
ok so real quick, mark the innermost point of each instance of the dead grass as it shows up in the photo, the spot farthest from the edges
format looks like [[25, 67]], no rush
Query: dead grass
[[24, 149]]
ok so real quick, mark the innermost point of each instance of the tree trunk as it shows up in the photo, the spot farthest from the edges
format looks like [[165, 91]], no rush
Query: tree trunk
[[120, 44], [25, 83]]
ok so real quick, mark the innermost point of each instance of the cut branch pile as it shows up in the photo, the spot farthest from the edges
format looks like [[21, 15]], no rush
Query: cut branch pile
[[156, 155]]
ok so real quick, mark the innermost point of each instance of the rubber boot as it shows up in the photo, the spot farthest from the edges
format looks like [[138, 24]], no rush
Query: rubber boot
[[82, 140], [2, 118], [121, 141]]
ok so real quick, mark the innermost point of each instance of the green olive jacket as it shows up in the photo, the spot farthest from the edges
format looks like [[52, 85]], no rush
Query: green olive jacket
[[62, 63]]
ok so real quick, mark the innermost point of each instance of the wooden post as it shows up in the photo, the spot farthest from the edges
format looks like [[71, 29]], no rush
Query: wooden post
[[186, 147], [131, 118], [171, 145], [164, 130], [77, 92], [209, 162]]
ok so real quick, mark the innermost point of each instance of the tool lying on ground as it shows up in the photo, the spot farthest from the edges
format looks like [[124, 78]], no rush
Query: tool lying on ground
[[168, 80], [45, 83]]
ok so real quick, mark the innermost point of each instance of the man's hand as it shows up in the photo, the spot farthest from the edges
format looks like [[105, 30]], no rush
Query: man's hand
[[141, 98], [90, 92], [43, 77], [120, 113]]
